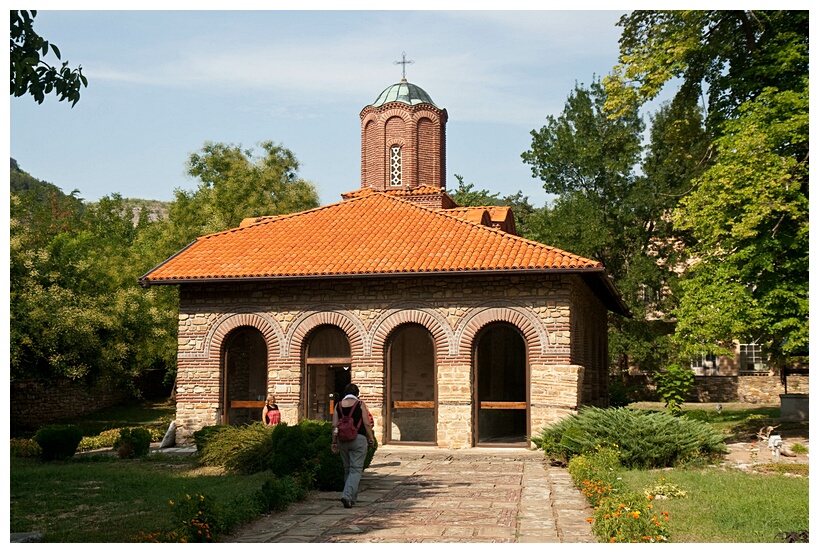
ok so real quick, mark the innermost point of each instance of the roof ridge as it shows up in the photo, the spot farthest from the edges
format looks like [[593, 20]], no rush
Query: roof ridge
[[273, 218]]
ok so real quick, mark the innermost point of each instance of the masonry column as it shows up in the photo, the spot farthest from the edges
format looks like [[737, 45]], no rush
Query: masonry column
[[455, 404]]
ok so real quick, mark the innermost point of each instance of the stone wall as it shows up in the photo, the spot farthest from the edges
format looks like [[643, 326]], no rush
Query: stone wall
[[35, 403], [453, 308], [724, 389], [745, 389]]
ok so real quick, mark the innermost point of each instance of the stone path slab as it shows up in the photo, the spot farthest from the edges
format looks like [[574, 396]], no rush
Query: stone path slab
[[427, 495]]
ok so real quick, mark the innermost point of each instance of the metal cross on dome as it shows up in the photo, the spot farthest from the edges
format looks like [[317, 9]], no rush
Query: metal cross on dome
[[403, 63]]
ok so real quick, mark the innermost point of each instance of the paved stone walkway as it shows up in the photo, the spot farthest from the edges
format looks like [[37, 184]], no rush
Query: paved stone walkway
[[428, 495]]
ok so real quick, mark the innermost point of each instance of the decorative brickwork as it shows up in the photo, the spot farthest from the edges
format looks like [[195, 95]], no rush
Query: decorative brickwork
[[420, 132], [454, 309]]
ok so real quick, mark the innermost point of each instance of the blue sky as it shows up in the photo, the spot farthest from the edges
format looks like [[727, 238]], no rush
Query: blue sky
[[162, 83]]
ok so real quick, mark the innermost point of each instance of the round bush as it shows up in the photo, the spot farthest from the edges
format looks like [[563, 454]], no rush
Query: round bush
[[133, 442], [21, 447], [58, 442]]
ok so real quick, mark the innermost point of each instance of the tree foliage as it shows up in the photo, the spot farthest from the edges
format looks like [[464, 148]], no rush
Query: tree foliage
[[30, 73], [235, 184], [747, 211], [749, 216], [606, 210], [467, 196], [76, 308], [588, 161]]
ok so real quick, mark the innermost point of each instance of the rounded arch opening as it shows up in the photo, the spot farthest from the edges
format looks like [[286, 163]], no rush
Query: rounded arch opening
[[327, 368], [411, 385], [501, 386], [244, 375]]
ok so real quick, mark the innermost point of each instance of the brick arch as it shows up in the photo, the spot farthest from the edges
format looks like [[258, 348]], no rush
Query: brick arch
[[270, 329], [401, 113], [396, 141], [345, 320], [427, 114], [533, 332], [371, 117], [438, 326]]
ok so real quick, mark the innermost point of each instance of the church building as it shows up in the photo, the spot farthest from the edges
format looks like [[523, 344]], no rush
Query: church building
[[458, 332]]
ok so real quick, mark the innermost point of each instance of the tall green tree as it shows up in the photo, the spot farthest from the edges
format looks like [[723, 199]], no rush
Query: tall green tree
[[76, 310], [590, 161], [747, 214], [615, 205], [30, 72], [234, 184]]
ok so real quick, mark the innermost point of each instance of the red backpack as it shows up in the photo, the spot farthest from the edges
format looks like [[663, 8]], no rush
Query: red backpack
[[347, 429]]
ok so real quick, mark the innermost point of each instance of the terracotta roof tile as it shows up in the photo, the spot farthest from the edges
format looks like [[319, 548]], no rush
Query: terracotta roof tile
[[373, 234]]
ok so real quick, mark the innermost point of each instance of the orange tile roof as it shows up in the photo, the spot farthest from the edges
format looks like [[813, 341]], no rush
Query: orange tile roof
[[479, 215], [373, 234]]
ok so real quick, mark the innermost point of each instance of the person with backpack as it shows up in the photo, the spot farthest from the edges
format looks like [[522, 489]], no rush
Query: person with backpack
[[352, 435]]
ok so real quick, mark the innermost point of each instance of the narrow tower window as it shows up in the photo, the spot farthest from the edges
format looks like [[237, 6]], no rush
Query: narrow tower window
[[395, 165]]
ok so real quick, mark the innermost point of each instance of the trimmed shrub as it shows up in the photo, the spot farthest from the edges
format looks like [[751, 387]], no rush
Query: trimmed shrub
[[58, 442], [238, 449], [21, 447], [107, 438], [133, 442], [645, 439], [277, 493], [290, 450], [301, 451]]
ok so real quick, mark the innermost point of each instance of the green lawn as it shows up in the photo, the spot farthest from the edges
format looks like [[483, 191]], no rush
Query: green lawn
[[96, 498], [728, 506]]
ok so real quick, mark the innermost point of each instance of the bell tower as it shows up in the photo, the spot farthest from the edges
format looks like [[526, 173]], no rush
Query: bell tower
[[403, 139]]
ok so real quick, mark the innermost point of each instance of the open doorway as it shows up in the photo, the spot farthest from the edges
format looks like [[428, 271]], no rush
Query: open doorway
[[244, 376], [411, 384], [501, 406], [328, 370]]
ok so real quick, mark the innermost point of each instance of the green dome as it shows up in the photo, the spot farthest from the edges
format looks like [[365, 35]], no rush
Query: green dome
[[405, 92]]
